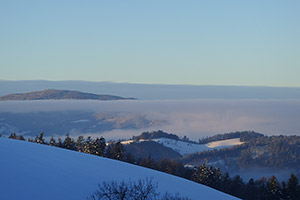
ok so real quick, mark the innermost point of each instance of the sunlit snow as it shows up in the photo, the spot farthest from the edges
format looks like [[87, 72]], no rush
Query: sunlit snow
[[34, 171], [184, 148]]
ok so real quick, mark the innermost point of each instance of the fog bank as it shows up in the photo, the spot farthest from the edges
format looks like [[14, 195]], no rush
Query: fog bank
[[193, 118]]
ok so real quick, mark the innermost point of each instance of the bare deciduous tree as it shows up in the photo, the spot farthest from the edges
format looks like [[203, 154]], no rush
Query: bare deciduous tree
[[131, 190]]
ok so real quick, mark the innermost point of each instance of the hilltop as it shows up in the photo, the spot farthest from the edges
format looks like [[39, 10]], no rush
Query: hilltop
[[44, 172], [50, 94], [160, 144]]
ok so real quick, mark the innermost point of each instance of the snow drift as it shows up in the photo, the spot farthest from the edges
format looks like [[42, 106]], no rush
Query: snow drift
[[34, 171]]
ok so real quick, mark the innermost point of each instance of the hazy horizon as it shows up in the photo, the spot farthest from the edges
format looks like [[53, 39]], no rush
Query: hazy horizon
[[141, 83]]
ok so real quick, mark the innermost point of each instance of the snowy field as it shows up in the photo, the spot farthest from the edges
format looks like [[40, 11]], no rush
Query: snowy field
[[34, 171], [187, 148]]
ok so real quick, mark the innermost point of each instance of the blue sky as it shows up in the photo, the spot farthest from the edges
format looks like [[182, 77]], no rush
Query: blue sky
[[255, 43]]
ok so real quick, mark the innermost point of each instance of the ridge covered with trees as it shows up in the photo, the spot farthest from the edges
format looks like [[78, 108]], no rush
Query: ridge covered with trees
[[276, 152], [243, 135], [155, 135]]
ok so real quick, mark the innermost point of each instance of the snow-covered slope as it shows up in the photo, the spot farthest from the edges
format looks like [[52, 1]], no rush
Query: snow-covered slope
[[34, 171], [184, 148], [187, 148]]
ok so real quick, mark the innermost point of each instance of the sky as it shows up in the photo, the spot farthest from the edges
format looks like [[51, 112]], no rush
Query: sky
[[253, 43]]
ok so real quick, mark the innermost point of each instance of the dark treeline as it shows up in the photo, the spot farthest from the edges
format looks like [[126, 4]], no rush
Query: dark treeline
[[89, 145], [243, 135], [213, 177], [155, 134], [161, 134], [207, 175]]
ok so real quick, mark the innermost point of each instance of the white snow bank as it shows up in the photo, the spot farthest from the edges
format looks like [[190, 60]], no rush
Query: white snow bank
[[187, 148], [224, 143], [34, 171], [81, 121]]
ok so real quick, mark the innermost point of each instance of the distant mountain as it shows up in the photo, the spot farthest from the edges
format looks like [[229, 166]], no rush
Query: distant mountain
[[155, 91], [49, 94]]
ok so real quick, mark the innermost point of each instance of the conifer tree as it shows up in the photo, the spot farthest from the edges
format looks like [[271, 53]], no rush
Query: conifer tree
[[99, 147], [52, 141], [80, 143], [293, 191], [226, 181], [207, 175], [237, 186], [39, 139], [21, 138], [87, 147], [284, 190], [116, 151], [13, 136], [59, 143], [218, 177], [273, 189], [251, 192], [69, 143]]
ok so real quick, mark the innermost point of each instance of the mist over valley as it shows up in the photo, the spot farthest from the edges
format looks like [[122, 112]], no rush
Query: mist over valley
[[123, 119]]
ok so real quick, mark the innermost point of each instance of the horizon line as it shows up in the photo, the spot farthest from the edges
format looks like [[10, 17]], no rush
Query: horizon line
[[164, 84]]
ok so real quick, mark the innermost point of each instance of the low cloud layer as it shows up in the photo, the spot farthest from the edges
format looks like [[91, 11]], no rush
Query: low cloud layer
[[193, 118]]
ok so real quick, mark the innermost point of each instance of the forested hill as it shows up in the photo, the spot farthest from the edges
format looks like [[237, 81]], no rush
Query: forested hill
[[274, 152], [243, 135], [155, 134], [255, 151], [49, 94]]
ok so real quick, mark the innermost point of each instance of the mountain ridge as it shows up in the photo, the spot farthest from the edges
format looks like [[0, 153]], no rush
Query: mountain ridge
[[156, 91], [54, 94]]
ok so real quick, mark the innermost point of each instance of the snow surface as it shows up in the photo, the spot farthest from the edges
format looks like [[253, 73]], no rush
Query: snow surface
[[224, 143], [81, 121], [131, 141], [187, 148], [34, 171]]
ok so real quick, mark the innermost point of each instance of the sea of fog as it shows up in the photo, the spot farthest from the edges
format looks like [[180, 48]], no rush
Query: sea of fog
[[193, 118]]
